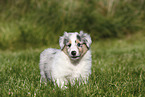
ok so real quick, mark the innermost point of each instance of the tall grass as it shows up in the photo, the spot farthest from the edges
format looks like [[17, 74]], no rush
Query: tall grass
[[118, 69], [34, 23]]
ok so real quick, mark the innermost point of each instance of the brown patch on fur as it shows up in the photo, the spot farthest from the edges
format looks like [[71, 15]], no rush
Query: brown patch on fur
[[77, 41], [70, 41], [65, 50], [80, 49], [84, 49]]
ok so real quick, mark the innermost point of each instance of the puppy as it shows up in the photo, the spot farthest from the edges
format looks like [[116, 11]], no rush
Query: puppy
[[69, 63]]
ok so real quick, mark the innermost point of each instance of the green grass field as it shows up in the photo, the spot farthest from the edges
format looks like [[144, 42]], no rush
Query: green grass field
[[118, 69], [27, 27]]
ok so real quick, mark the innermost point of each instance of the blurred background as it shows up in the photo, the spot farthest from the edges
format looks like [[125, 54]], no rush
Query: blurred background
[[37, 23]]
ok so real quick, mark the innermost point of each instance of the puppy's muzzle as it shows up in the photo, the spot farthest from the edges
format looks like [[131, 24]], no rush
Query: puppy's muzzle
[[74, 55]]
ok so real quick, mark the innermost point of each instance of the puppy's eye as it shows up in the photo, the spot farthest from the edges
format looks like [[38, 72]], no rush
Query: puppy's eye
[[78, 44], [69, 45]]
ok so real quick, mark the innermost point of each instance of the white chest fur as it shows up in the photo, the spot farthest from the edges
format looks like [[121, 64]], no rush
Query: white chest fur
[[63, 69]]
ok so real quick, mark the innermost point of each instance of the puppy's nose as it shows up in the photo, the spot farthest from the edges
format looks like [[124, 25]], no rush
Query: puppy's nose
[[73, 53]]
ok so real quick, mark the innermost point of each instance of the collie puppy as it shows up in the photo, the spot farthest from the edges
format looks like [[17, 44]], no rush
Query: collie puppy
[[69, 63]]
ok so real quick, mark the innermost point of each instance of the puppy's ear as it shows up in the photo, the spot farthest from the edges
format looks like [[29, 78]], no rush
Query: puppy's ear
[[63, 40], [86, 39]]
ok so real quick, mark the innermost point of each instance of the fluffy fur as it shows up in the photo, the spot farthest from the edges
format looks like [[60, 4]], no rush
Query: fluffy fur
[[71, 62]]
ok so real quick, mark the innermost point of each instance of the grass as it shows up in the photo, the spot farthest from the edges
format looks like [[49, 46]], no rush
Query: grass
[[26, 26], [34, 23], [118, 70]]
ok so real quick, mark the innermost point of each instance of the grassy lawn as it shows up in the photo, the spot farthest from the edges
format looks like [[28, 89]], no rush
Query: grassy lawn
[[118, 70], [118, 65]]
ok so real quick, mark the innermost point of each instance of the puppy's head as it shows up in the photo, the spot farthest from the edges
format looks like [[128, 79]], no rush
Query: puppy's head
[[75, 45]]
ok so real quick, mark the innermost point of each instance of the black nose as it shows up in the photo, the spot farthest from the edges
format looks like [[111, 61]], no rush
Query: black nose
[[73, 53]]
